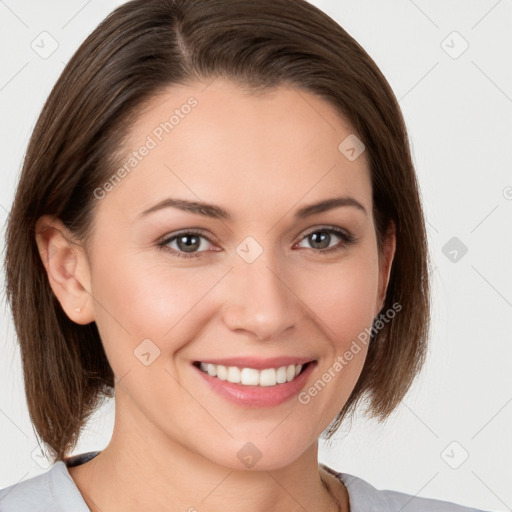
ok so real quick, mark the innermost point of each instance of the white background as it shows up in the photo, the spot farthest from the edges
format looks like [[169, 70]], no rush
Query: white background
[[459, 116]]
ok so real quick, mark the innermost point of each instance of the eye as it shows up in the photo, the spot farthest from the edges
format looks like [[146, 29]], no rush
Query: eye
[[187, 244], [321, 238], [191, 244]]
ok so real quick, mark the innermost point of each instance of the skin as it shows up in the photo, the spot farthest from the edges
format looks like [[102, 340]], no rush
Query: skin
[[261, 157]]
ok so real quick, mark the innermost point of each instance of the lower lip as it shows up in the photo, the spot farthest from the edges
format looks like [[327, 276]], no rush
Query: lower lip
[[258, 396]]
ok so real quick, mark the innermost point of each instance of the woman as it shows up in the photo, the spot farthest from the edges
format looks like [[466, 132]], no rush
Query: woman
[[218, 224]]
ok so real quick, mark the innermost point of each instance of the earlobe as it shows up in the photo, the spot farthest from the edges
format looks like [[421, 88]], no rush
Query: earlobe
[[385, 262], [66, 267]]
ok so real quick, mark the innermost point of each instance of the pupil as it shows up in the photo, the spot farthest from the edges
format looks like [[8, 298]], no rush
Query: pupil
[[315, 239], [188, 246]]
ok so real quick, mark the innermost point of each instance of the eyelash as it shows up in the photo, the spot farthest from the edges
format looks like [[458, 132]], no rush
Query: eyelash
[[346, 237]]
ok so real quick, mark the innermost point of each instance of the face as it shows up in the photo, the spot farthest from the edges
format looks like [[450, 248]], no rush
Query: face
[[258, 281]]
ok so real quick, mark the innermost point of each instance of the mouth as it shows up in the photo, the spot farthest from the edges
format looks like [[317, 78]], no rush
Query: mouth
[[256, 383], [254, 377]]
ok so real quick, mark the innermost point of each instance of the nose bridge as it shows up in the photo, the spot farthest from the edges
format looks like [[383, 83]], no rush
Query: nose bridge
[[259, 301]]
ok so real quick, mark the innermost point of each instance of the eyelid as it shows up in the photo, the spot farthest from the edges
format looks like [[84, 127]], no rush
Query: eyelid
[[327, 227], [192, 231]]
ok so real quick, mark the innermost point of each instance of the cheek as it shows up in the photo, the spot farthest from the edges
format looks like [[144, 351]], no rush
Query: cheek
[[137, 299], [343, 297]]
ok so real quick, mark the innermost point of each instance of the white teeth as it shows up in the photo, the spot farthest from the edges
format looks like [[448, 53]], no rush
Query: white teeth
[[233, 374], [281, 375], [251, 376], [268, 377], [222, 372]]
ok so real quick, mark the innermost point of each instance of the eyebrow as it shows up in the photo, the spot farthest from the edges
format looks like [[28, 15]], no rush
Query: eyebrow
[[216, 212]]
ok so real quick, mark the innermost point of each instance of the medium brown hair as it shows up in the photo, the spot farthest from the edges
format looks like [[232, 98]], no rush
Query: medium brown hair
[[138, 51]]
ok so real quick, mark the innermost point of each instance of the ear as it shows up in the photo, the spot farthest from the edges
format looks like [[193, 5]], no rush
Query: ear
[[385, 263], [67, 268]]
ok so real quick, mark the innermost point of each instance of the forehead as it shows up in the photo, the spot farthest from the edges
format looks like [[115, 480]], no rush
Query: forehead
[[217, 142]]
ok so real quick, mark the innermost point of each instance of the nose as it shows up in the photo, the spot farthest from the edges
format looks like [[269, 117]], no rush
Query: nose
[[259, 300]]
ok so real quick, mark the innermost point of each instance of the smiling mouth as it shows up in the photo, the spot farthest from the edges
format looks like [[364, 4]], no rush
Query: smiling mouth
[[251, 376]]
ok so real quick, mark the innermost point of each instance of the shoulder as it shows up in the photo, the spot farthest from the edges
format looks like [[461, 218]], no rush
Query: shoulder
[[52, 491], [364, 497]]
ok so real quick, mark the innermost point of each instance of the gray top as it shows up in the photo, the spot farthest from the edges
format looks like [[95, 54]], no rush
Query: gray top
[[55, 491]]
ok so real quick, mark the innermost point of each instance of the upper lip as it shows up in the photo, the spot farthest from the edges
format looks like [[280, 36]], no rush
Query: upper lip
[[258, 363]]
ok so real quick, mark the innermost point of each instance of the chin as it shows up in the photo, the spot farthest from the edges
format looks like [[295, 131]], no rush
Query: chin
[[257, 453]]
